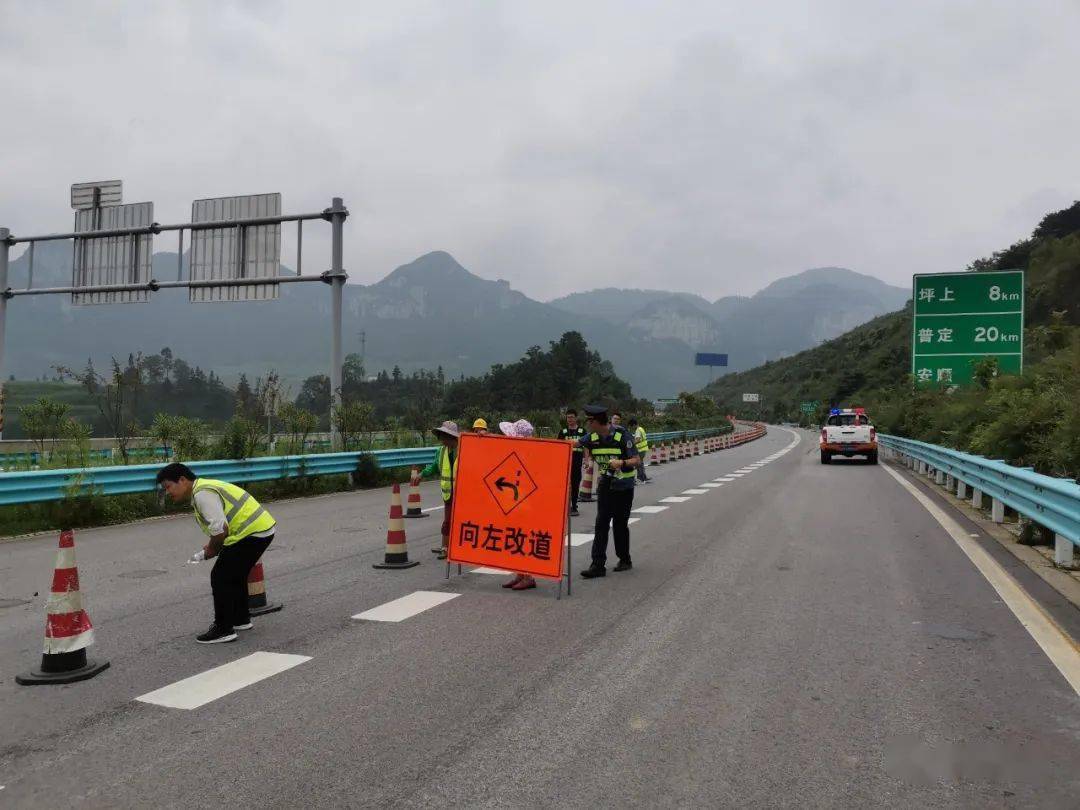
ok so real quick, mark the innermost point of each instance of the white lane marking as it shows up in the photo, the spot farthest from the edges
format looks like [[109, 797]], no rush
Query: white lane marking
[[580, 538], [631, 521], [674, 499], [431, 509], [737, 475], [485, 570], [406, 607], [1054, 641], [198, 690], [694, 491], [725, 480], [711, 485], [649, 510], [744, 470]]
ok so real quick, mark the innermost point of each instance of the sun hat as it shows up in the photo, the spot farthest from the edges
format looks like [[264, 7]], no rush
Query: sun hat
[[521, 429], [449, 428]]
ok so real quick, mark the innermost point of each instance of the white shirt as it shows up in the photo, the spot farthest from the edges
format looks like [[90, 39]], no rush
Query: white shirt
[[212, 510]]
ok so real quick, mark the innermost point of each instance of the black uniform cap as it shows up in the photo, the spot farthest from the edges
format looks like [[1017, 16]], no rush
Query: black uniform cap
[[595, 410]]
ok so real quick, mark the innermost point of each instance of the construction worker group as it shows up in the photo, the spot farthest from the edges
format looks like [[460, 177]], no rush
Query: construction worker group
[[240, 529]]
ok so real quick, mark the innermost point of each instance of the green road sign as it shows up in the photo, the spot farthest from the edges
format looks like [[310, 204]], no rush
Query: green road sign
[[962, 318], [809, 407]]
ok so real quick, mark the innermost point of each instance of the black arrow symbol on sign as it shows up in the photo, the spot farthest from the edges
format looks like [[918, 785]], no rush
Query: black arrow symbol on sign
[[502, 483]]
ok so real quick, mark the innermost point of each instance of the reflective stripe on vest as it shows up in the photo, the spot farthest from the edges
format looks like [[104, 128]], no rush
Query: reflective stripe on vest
[[603, 455], [447, 474], [244, 516]]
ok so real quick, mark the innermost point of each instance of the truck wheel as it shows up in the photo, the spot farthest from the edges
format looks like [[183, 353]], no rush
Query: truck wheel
[[871, 458], [825, 457]]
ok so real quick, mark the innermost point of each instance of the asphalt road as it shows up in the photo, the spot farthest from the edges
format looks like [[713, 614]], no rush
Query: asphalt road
[[801, 636]]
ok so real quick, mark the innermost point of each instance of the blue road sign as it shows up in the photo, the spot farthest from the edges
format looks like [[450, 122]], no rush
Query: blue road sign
[[706, 359]]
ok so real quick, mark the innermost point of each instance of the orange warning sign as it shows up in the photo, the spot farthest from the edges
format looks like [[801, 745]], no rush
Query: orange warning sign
[[511, 500]]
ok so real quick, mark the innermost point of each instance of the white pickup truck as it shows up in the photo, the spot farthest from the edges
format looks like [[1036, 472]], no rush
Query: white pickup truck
[[848, 432]]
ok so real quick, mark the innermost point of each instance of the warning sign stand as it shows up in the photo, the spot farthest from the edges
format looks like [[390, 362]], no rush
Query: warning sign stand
[[511, 507]]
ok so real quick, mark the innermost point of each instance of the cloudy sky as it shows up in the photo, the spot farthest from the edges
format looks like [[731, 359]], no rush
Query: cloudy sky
[[710, 147]]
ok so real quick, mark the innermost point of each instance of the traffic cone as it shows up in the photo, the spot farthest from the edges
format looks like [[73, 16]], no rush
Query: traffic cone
[[414, 510], [654, 456], [68, 631], [664, 453], [697, 447], [586, 482], [397, 555], [257, 601]]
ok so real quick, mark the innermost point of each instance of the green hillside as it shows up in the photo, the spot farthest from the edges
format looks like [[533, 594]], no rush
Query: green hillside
[[1033, 419]]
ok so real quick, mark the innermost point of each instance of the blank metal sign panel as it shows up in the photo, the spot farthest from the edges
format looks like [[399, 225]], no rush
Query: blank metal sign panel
[[113, 259], [236, 251]]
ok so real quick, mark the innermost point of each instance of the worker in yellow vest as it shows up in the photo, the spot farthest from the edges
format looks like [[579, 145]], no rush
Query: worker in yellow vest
[[445, 465], [240, 530], [641, 443]]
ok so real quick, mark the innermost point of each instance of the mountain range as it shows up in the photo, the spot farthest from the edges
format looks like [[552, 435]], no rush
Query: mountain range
[[433, 312]]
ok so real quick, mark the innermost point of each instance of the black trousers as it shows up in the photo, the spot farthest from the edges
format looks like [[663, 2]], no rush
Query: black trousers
[[612, 506], [575, 478], [641, 476], [229, 580]]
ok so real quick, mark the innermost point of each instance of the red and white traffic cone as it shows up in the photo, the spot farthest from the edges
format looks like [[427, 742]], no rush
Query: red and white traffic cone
[[664, 453], [586, 491], [397, 555], [414, 510], [654, 459], [697, 447], [258, 604], [68, 631]]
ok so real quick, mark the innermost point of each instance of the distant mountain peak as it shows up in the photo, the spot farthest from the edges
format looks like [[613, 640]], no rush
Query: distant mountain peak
[[438, 265]]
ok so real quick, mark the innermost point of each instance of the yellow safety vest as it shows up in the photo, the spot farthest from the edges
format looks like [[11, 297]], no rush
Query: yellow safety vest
[[244, 516], [603, 455], [641, 441], [447, 473]]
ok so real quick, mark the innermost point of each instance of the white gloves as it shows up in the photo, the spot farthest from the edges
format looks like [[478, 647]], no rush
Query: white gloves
[[197, 557]]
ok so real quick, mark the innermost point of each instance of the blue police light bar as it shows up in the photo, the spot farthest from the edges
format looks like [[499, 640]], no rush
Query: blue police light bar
[[706, 359], [834, 412]]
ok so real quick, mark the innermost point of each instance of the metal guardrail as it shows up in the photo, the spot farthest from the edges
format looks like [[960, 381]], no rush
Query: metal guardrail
[[1048, 501], [54, 485]]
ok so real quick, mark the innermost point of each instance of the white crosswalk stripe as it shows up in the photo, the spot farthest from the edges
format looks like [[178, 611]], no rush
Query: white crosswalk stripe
[[406, 607], [198, 690]]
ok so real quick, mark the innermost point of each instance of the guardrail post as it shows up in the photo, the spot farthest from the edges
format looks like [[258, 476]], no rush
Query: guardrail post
[[949, 482], [976, 498], [1063, 551], [961, 490], [997, 511], [939, 477]]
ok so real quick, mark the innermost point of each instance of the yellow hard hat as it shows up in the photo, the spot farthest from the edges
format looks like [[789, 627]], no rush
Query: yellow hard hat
[[480, 423]]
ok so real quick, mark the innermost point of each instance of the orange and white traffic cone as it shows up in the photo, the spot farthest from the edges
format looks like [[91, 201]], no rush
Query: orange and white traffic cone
[[257, 601], [697, 447], [68, 631], [414, 510], [586, 482], [397, 555]]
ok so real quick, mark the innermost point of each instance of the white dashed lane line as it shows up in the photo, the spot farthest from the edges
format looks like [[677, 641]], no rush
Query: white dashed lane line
[[198, 690], [649, 510], [406, 607], [431, 509], [674, 499], [711, 485], [694, 491], [725, 480]]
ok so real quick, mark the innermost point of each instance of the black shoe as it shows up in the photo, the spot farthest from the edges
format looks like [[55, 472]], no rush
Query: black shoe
[[216, 635], [624, 565], [594, 571], [574, 512]]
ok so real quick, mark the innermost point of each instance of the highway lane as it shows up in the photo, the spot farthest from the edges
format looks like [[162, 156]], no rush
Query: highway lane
[[801, 635]]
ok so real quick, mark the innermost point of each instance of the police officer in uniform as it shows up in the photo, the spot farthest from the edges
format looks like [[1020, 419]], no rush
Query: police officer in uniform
[[574, 432], [612, 448]]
